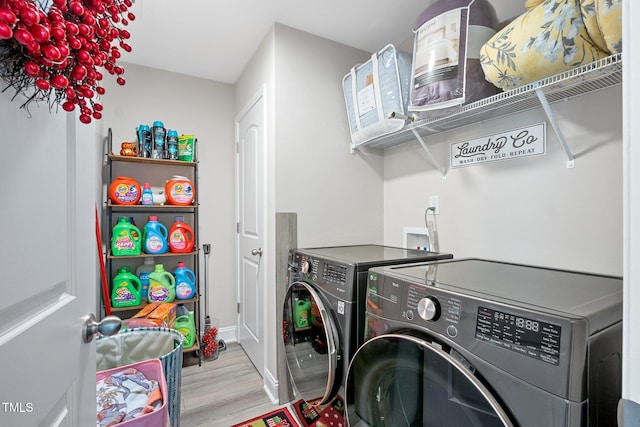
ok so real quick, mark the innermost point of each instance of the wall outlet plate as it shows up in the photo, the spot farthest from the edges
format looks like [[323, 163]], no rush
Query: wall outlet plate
[[434, 202]]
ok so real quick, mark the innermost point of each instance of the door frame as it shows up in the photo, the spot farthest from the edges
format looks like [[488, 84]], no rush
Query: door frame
[[260, 93]]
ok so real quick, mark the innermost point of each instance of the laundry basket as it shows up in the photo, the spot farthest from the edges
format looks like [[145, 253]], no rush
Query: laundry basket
[[112, 389], [137, 345]]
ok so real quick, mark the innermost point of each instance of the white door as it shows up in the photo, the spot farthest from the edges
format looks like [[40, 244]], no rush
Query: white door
[[48, 259], [251, 258]]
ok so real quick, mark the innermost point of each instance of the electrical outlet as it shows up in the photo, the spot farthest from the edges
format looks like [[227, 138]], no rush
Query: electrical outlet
[[434, 202]]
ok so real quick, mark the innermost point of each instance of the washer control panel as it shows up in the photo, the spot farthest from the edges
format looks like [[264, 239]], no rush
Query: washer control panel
[[533, 338], [464, 318], [431, 307]]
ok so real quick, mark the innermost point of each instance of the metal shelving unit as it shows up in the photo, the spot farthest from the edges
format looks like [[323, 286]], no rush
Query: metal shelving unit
[[587, 78], [113, 210]]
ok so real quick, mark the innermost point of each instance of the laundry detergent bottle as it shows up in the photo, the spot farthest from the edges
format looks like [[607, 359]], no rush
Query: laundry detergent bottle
[[147, 194], [301, 313], [125, 238], [154, 237], [179, 190], [185, 282], [162, 285], [143, 272], [126, 289], [180, 236], [186, 325]]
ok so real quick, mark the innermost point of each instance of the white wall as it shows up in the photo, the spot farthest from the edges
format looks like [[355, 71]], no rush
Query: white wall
[[204, 108], [533, 210], [337, 195]]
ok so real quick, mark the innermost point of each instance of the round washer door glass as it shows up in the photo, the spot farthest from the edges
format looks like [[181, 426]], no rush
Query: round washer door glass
[[401, 380], [311, 343]]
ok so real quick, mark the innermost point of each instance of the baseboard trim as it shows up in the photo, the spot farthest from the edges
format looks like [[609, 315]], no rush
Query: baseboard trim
[[271, 386], [228, 334]]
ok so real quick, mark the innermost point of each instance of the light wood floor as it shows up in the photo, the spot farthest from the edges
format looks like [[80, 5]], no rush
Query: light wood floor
[[222, 392]]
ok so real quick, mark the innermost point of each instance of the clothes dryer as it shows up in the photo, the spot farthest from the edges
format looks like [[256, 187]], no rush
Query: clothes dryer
[[331, 283], [483, 343]]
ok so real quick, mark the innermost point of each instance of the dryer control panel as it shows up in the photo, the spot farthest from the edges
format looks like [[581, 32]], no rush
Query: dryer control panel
[[533, 338], [334, 278]]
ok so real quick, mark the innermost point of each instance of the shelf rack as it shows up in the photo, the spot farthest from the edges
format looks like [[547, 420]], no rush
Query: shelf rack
[[113, 209], [587, 78]]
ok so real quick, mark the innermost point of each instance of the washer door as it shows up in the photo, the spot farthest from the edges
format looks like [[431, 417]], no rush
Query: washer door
[[402, 380], [312, 344]]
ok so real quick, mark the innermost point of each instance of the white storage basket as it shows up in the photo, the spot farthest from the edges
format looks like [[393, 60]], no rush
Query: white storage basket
[[375, 89]]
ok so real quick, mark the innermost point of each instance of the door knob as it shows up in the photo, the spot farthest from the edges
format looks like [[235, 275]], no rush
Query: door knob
[[256, 252], [110, 325]]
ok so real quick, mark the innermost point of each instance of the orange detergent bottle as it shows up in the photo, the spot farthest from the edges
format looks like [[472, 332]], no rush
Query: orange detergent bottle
[[124, 191], [179, 190], [180, 236]]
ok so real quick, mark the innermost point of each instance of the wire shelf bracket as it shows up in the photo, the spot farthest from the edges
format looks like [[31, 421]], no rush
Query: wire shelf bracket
[[442, 170], [556, 128]]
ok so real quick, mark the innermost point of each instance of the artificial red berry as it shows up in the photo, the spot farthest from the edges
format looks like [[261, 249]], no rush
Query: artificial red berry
[[5, 31]]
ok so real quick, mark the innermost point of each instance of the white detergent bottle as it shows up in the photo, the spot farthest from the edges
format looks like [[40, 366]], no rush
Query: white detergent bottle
[[143, 272]]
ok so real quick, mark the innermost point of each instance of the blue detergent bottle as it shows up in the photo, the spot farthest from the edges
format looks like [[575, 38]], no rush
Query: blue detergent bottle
[[185, 282], [159, 140], [172, 145], [154, 237]]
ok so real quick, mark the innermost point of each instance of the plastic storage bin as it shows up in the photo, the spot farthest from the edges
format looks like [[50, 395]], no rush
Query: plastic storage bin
[[152, 370], [375, 89], [142, 344]]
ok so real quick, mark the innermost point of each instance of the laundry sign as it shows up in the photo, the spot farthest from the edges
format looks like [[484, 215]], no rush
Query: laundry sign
[[514, 144]]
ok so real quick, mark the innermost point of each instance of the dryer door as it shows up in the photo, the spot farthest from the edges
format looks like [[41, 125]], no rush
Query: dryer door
[[402, 380], [312, 344]]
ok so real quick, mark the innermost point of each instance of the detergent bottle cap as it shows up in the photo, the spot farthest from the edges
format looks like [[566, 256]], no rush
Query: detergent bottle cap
[[158, 124], [124, 269], [123, 219], [159, 267], [153, 218], [181, 264], [146, 186], [178, 218]]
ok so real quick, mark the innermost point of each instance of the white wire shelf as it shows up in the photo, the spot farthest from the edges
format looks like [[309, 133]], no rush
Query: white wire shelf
[[600, 74]]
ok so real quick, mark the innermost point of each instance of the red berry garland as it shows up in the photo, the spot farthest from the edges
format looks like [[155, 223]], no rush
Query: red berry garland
[[51, 50], [210, 343]]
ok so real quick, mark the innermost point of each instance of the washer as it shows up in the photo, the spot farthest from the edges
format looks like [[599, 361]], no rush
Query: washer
[[483, 343], [330, 283]]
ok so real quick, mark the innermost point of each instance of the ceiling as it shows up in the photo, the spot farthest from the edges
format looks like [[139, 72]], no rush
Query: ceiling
[[215, 39]]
